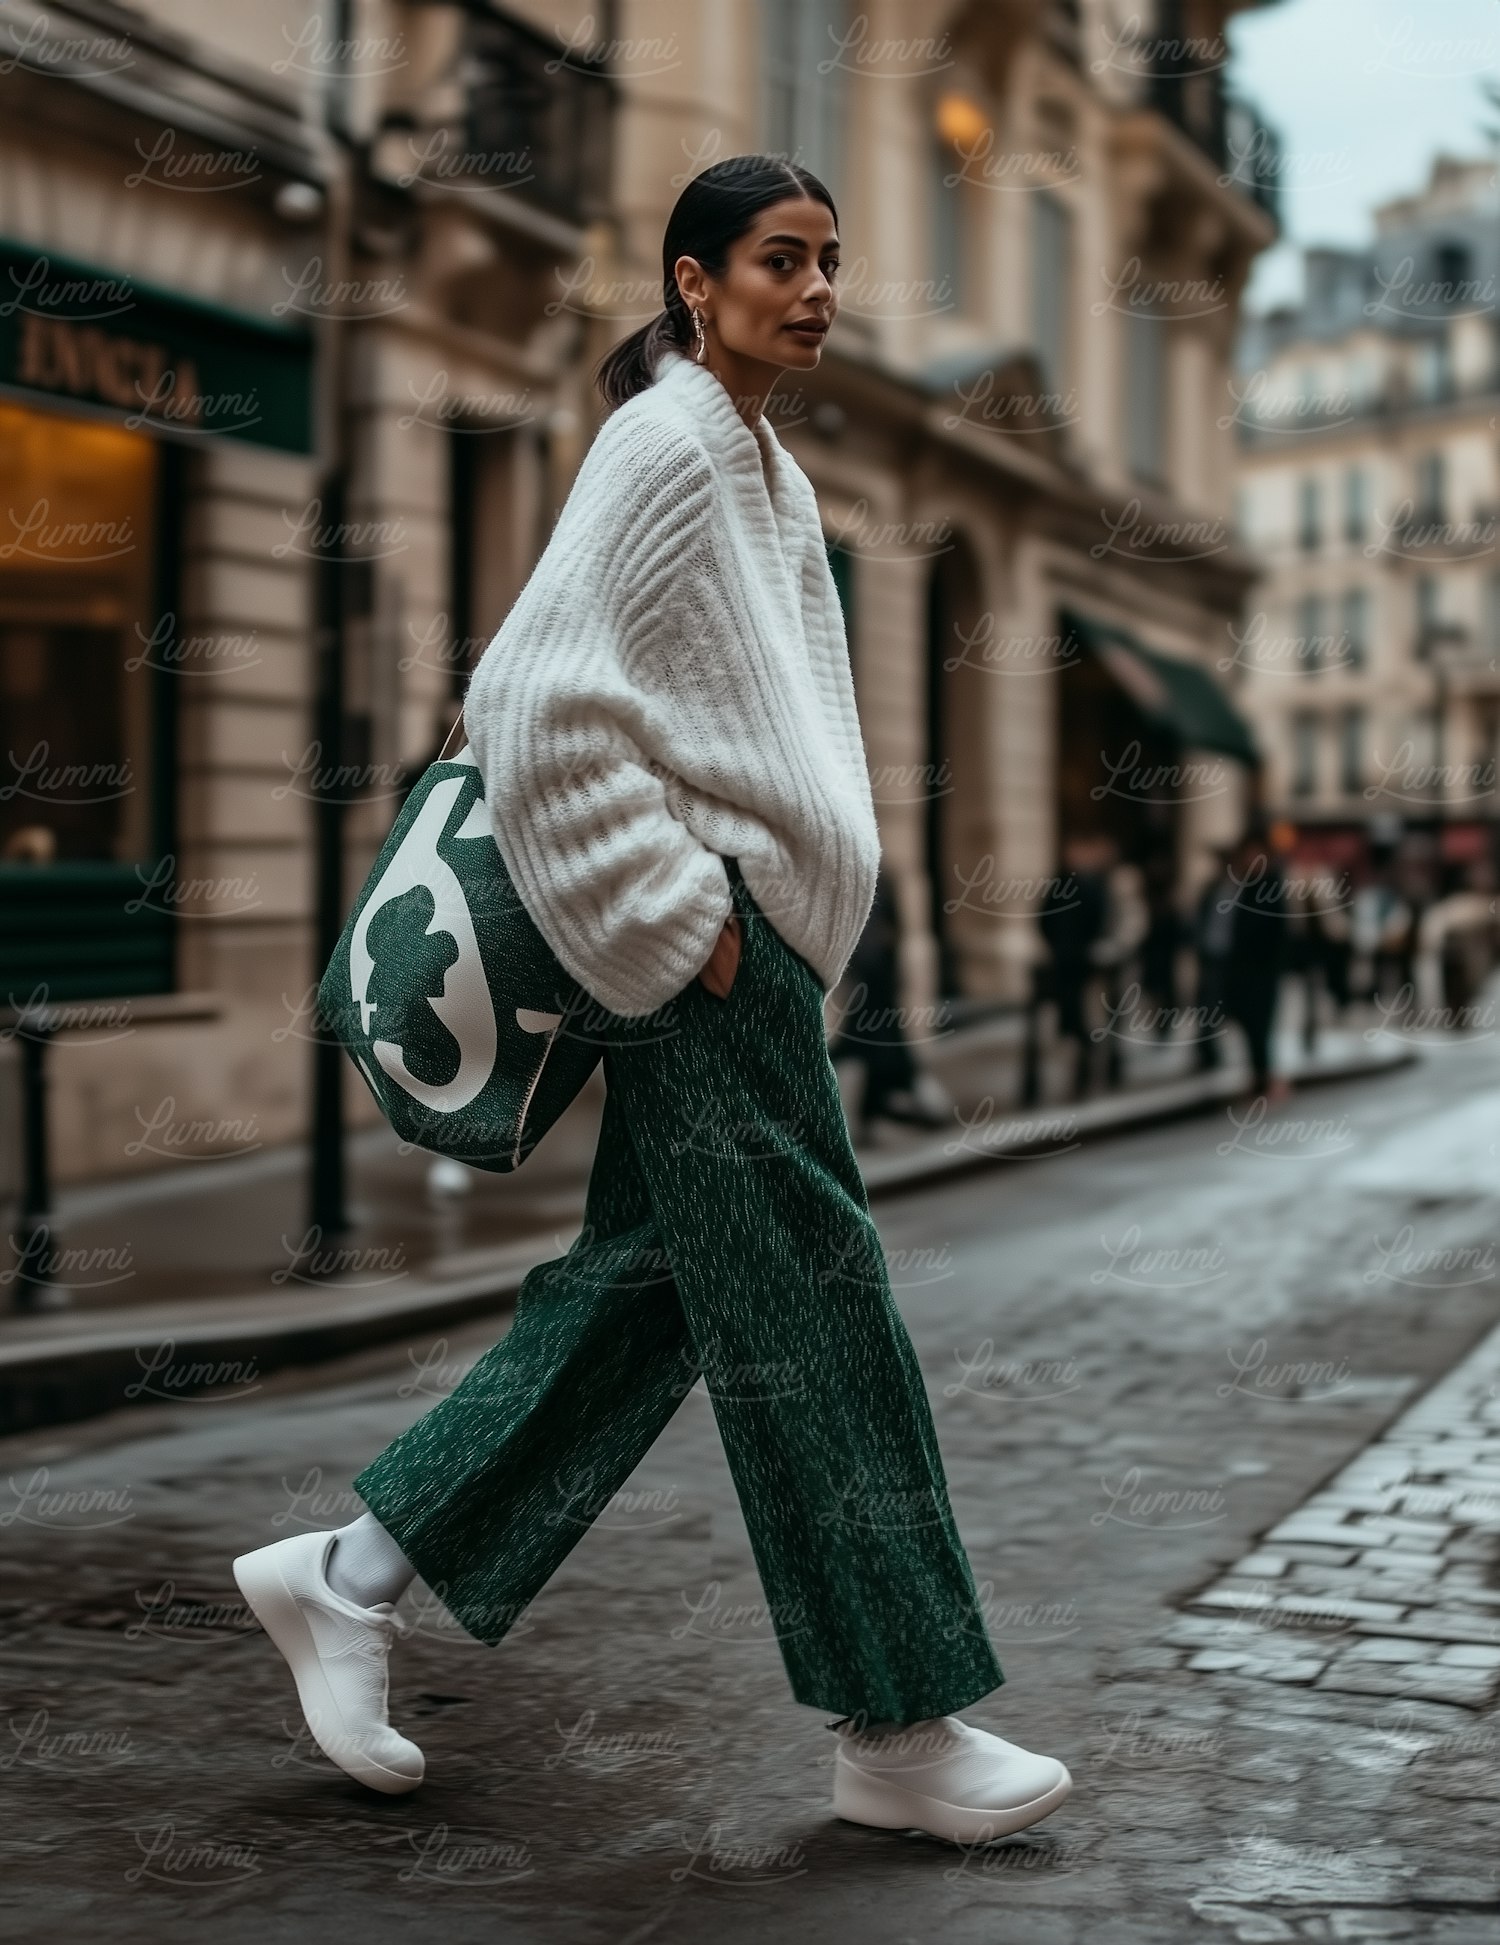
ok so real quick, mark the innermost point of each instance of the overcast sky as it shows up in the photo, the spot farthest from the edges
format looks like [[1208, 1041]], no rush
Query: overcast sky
[[1363, 93]]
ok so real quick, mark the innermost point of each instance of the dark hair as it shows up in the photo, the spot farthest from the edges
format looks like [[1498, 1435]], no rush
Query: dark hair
[[713, 212]]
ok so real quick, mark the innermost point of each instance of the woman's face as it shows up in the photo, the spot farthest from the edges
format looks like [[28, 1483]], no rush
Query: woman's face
[[780, 274]]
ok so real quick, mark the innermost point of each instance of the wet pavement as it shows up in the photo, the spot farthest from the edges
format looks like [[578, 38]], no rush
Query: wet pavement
[[1152, 1364], [235, 1227]]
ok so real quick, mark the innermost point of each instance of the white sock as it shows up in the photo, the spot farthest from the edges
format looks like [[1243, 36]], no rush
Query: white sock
[[366, 1566], [881, 1730]]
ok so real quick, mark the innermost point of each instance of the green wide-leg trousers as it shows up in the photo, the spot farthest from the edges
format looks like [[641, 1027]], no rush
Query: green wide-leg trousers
[[726, 1234]]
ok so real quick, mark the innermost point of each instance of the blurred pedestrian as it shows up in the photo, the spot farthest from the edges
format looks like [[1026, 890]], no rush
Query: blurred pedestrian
[[1072, 921], [1164, 937], [1457, 940], [1257, 955], [1305, 958], [1242, 953], [1116, 952], [1382, 929], [1213, 936], [873, 1034], [1329, 908]]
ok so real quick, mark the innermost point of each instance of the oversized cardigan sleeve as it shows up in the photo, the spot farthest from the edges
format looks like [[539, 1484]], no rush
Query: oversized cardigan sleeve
[[626, 896]]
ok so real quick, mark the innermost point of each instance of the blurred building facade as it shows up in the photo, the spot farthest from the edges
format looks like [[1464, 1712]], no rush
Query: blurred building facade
[[1047, 222], [1370, 485], [309, 306], [285, 365]]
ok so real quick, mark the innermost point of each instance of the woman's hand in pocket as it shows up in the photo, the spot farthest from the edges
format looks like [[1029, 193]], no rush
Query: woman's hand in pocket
[[723, 962]]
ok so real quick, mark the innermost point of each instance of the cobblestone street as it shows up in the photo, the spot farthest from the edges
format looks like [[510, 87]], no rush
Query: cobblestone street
[[1220, 1406]]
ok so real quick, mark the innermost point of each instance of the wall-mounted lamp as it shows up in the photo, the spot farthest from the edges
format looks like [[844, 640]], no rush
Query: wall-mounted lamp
[[959, 119]]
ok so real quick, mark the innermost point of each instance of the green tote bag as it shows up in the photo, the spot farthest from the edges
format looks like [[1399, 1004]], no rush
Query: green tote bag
[[450, 1002]]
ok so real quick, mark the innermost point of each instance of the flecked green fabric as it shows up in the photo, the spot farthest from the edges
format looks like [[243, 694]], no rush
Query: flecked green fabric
[[727, 1231]]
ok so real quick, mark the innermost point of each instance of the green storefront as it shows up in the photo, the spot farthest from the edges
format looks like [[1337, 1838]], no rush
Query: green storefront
[[107, 387]]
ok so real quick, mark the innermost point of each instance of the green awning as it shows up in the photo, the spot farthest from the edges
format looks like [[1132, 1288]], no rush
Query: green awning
[[1177, 695]]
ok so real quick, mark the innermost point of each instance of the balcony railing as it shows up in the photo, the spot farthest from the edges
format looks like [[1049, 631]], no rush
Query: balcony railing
[[1280, 418], [1185, 84], [1426, 533], [535, 119], [1440, 642], [1253, 157], [1455, 652], [1191, 98]]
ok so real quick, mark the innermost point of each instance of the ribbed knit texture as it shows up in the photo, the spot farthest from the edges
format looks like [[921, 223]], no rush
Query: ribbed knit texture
[[671, 687]]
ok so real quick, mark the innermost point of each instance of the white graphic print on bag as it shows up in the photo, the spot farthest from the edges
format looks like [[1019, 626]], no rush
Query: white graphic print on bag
[[417, 912], [402, 929], [413, 989]]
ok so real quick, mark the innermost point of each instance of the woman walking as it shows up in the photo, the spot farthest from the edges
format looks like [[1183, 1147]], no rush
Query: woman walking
[[673, 765]]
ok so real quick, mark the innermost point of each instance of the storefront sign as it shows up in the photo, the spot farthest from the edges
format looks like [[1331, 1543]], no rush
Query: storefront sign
[[97, 338]]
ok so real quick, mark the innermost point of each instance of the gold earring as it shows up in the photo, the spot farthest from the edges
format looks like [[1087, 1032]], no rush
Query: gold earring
[[701, 345]]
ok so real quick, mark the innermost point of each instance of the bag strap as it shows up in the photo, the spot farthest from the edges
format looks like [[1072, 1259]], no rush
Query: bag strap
[[443, 752]]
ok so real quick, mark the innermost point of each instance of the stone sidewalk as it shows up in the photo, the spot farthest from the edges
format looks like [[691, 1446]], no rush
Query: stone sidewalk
[[1386, 1581]]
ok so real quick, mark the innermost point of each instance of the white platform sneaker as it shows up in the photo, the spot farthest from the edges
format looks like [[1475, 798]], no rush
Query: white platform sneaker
[[337, 1653], [947, 1778]]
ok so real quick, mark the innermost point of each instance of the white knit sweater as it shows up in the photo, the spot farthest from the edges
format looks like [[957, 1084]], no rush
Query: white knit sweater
[[671, 687]]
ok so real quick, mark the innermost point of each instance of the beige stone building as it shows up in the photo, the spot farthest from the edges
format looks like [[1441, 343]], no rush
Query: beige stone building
[[252, 251], [1047, 225], [1370, 486], [243, 250]]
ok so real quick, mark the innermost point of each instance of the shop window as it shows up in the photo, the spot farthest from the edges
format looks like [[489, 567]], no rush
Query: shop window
[[85, 761]]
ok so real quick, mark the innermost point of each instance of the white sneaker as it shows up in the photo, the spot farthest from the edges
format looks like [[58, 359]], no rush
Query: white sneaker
[[337, 1654], [947, 1778]]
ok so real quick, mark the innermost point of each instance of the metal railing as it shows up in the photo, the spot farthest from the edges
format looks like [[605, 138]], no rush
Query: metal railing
[[1187, 88], [533, 118]]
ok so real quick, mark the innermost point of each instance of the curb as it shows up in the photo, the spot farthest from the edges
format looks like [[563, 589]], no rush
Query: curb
[[1019, 1136], [64, 1380]]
